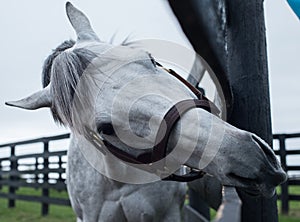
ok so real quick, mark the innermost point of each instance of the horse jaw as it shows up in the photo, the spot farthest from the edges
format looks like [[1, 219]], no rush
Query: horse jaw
[[40, 99], [81, 24]]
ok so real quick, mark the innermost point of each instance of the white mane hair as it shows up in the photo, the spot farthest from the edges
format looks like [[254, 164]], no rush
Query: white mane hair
[[63, 68]]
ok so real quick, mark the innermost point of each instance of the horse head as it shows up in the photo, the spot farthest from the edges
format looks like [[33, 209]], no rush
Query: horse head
[[120, 92]]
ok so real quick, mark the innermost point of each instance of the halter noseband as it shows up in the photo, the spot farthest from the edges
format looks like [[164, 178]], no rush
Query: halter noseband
[[147, 157]]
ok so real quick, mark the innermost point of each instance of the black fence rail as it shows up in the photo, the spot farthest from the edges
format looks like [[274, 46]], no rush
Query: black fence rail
[[284, 151], [21, 167]]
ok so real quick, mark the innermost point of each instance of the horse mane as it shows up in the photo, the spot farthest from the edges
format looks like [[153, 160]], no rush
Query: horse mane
[[64, 69]]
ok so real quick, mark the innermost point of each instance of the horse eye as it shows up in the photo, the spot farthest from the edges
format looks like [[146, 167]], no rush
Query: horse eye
[[106, 128]]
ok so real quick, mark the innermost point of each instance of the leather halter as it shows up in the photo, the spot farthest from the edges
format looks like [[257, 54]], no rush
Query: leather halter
[[147, 157]]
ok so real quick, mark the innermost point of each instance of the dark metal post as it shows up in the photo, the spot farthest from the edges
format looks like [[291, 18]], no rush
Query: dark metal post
[[45, 191], [13, 171], [248, 77], [230, 35], [284, 187]]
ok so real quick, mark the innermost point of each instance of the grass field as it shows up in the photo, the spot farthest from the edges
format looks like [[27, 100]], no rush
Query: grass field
[[294, 212], [31, 212]]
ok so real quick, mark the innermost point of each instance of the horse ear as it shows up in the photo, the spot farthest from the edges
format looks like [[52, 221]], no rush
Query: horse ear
[[81, 24], [35, 101]]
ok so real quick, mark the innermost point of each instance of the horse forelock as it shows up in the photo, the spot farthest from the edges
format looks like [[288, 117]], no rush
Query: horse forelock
[[46, 73], [64, 69]]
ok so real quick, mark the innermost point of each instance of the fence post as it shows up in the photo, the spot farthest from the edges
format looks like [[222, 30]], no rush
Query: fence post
[[45, 190], [36, 168], [60, 162], [0, 174], [284, 187], [13, 170]]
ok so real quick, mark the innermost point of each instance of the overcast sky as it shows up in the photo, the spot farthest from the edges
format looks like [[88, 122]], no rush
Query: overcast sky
[[30, 29]]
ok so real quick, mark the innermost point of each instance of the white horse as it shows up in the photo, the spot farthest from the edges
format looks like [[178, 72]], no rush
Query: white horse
[[119, 93]]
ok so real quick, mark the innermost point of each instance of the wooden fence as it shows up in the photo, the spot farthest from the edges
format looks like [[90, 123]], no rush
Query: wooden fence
[[16, 172], [284, 151], [34, 170]]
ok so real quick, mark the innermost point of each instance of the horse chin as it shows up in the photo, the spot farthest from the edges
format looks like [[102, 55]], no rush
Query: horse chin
[[261, 190], [267, 191], [253, 187]]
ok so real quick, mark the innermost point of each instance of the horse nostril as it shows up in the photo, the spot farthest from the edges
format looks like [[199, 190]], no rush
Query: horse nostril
[[266, 149], [277, 176]]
